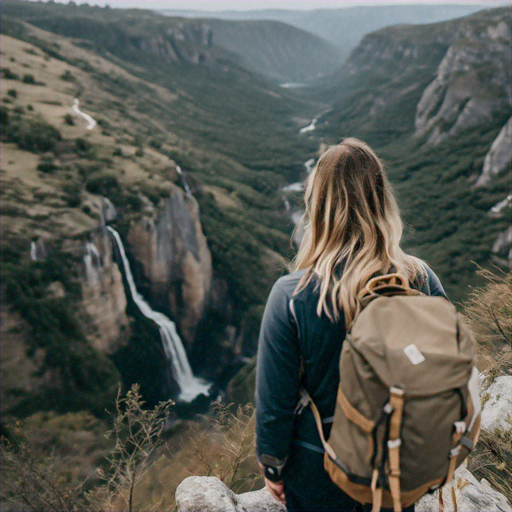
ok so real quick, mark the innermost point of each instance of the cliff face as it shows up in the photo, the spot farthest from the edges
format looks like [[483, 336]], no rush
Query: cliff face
[[184, 42], [499, 155], [433, 81], [169, 243], [103, 295], [472, 82]]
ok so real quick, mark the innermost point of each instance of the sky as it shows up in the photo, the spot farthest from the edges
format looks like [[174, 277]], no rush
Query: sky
[[242, 5]]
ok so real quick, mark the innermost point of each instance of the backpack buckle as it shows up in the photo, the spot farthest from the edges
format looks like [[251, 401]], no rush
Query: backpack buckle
[[303, 402]]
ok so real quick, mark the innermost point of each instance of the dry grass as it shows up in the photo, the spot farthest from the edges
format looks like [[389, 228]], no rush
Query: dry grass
[[132, 467], [488, 311]]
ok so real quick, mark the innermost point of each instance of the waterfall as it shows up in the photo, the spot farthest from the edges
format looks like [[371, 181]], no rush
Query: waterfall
[[190, 386], [92, 262], [185, 183], [310, 127], [33, 251], [310, 165]]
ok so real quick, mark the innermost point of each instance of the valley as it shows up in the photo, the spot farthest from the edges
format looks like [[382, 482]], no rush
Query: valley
[[152, 170]]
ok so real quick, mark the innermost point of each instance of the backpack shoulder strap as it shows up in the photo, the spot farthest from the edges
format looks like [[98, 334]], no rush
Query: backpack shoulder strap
[[386, 285]]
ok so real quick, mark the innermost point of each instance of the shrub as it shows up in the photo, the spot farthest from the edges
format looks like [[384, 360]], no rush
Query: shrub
[[139, 151], [34, 135], [156, 144], [4, 116], [37, 477], [28, 79], [67, 76], [488, 310], [103, 184], [82, 145], [12, 93], [72, 194], [30, 108], [47, 164], [9, 75], [68, 119], [117, 151]]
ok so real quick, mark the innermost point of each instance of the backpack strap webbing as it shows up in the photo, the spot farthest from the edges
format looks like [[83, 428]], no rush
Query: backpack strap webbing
[[319, 424], [459, 428]]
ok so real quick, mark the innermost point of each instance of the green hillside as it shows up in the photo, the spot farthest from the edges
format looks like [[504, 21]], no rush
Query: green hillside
[[221, 105], [276, 49]]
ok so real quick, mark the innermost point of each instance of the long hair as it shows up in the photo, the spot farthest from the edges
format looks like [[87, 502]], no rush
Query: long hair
[[352, 229]]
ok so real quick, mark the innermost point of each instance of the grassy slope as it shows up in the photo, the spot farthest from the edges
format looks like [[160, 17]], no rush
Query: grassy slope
[[221, 105]]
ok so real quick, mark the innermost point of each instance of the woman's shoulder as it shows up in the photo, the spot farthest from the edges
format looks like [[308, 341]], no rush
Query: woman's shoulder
[[430, 283], [288, 283]]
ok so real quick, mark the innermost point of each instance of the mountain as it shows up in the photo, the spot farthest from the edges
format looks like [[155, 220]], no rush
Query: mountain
[[276, 49], [345, 27], [435, 100]]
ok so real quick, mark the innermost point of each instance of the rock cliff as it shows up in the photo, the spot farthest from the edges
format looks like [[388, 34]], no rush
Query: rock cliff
[[103, 295], [499, 155], [208, 494], [471, 83], [169, 243]]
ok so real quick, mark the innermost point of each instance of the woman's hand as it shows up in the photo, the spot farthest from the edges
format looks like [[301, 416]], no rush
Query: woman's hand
[[276, 489]]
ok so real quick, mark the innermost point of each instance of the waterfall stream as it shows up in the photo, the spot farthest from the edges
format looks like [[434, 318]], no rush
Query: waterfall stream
[[33, 251], [190, 386], [185, 182]]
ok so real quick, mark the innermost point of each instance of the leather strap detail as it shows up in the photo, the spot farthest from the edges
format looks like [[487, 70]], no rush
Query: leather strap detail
[[376, 492], [397, 403], [459, 430], [353, 414]]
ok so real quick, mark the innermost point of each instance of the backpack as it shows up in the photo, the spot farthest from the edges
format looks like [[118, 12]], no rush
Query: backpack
[[408, 408]]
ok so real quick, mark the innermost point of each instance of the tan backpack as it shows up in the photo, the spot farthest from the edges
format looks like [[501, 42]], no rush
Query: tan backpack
[[408, 408]]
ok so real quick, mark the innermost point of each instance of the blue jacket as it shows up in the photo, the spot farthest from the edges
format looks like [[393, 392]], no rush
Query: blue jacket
[[282, 343]]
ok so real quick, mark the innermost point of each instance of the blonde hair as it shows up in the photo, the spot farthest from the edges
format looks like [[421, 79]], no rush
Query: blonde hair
[[351, 223]]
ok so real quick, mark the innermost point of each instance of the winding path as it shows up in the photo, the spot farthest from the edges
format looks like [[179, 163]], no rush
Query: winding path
[[76, 109]]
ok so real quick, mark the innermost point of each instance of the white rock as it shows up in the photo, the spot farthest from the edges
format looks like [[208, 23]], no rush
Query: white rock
[[497, 408], [499, 155], [471, 496], [209, 494]]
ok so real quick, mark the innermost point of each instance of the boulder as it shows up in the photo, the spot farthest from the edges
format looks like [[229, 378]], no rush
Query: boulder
[[470, 494], [497, 405], [209, 494]]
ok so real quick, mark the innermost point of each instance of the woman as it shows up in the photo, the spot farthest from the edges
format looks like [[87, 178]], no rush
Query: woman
[[352, 232]]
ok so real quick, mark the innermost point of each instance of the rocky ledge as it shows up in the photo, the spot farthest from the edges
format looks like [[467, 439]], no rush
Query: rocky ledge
[[209, 494]]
